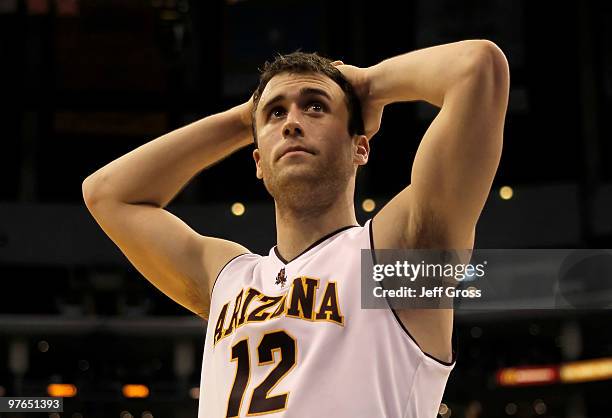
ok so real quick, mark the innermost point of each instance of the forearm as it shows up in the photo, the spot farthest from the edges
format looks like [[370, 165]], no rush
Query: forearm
[[426, 74], [156, 171]]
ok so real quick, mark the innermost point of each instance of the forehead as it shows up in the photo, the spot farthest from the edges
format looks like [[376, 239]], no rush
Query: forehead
[[289, 84]]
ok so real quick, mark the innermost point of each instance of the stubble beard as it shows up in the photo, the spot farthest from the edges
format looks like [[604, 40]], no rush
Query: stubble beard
[[308, 191]]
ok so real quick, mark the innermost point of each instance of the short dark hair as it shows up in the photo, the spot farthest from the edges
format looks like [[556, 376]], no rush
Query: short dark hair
[[301, 63]]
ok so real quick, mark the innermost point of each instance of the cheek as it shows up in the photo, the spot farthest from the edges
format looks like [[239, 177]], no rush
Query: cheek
[[264, 161]]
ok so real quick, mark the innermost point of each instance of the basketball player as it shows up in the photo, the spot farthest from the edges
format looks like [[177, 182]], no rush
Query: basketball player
[[286, 335]]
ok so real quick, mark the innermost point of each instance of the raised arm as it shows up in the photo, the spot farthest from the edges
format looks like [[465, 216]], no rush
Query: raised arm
[[457, 158], [127, 198]]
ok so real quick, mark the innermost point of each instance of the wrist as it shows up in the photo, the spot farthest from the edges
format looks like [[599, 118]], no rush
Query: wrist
[[240, 115], [375, 92], [240, 118]]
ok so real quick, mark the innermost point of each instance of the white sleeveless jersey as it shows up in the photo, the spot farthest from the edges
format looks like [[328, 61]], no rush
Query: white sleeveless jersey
[[289, 339]]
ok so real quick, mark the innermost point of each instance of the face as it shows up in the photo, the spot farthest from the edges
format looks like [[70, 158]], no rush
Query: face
[[303, 142]]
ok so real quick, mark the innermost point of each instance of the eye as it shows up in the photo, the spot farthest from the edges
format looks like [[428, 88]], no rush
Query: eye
[[277, 112], [316, 106]]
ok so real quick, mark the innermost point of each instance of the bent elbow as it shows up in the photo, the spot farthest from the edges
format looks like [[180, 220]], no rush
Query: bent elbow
[[491, 66], [92, 190]]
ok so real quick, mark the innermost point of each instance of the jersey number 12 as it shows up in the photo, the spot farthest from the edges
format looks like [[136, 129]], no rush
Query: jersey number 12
[[260, 402]]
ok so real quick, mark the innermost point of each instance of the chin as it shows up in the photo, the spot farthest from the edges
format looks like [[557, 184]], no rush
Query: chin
[[304, 185]]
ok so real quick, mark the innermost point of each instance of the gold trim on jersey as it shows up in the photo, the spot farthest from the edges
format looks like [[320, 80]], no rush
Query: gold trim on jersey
[[259, 314], [303, 292], [220, 321], [330, 302], [251, 306], [234, 317]]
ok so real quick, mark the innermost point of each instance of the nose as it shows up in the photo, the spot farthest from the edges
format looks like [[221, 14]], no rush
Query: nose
[[292, 126]]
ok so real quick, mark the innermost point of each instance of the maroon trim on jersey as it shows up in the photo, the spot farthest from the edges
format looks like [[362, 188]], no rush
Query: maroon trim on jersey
[[219, 274], [310, 247], [454, 334]]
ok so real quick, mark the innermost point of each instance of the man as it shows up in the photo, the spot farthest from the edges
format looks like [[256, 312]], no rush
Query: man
[[311, 121]]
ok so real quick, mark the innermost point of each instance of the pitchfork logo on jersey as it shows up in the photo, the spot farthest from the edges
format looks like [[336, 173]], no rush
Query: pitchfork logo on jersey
[[281, 278]]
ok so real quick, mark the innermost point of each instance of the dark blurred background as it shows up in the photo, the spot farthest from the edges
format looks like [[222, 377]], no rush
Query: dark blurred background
[[83, 82]]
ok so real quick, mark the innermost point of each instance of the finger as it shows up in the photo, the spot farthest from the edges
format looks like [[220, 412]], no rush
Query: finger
[[335, 63]]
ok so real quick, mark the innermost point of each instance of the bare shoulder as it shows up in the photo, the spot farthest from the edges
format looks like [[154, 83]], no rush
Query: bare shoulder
[[217, 253]]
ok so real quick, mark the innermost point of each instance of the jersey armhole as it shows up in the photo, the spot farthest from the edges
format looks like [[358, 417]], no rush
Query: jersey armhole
[[403, 327], [222, 270]]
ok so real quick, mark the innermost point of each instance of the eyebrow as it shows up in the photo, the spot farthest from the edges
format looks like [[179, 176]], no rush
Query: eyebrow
[[304, 91]]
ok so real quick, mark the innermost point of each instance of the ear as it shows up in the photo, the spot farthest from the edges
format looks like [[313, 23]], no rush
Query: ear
[[361, 150], [257, 158]]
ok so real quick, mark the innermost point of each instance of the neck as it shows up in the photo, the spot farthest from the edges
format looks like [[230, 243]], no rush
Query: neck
[[298, 227]]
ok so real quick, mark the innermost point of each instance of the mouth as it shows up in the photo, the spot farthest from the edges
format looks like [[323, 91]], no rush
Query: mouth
[[295, 151]]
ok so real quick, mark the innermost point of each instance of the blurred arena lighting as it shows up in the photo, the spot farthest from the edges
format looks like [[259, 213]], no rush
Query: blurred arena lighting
[[530, 375], [194, 392], [368, 205], [62, 390], [511, 408], [473, 410], [570, 372], [135, 391], [43, 346], [506, 192], [443, 410], [238, 209], [539, 407], [586, 370], [18, 357]]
